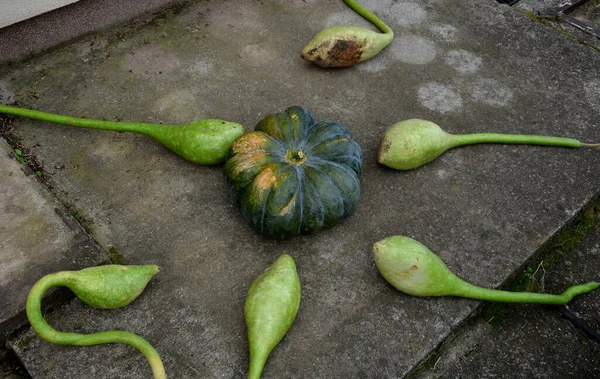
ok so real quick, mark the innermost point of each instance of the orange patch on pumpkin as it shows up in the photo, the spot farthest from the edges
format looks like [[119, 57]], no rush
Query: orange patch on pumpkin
[[245, 162], [250, 142], [265, 179]]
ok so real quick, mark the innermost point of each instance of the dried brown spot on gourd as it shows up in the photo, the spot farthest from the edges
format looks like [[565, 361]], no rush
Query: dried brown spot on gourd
[[342, 53], [384, 147], [403, 275], [265, 179], [250, 142]]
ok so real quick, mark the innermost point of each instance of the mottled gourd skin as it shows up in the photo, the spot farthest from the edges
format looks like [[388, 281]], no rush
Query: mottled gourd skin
[[344, 46], [412, 143], [271, 306], [294, 175]]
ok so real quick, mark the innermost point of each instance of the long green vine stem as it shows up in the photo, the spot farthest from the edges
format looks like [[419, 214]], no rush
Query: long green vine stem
[[204, 142], [521, 139], [412, 268], [410, 144], [480, 293], [44, 330]]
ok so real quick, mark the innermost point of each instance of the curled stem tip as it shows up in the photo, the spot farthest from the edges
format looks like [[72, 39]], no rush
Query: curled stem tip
[[84, 281]]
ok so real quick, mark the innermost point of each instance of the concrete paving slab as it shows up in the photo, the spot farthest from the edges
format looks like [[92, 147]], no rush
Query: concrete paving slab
[[37, 236], [470, 67], [529, 341], [69, 23]]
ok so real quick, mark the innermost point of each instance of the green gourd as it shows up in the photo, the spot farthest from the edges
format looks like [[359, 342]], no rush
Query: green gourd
[[412, 268], [294, 175], [104, 287], [203, 142], [412, 143], [344, 46], [271, 307]]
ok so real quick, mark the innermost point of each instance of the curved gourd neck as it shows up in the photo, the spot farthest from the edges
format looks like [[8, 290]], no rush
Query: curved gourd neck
[[367, 15], [523, 139], [44, 330]]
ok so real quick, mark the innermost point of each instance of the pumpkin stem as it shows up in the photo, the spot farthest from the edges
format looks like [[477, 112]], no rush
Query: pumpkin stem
[[296, 157]]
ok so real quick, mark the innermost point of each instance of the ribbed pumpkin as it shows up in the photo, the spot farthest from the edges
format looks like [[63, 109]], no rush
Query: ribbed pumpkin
[[294, 175]]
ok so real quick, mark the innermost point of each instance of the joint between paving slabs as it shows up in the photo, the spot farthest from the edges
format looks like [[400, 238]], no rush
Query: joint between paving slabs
[[529, 277], [554, 22]]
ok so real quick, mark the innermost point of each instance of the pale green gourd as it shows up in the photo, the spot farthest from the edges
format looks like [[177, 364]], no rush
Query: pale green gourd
[[412, 268], [344, 46], [104, 287], [271, 307], [412, 143], [203, 142]]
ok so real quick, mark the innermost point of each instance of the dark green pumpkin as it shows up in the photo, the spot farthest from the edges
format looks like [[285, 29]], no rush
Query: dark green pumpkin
[[294, 175]]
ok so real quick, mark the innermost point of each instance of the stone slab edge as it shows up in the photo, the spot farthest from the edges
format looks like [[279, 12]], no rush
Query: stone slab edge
[[67, 249]]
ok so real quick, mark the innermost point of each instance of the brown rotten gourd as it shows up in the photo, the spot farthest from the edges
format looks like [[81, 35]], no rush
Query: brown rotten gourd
[[294, 175]]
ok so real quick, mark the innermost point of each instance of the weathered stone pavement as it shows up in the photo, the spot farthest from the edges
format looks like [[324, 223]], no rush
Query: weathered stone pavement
[[486, 210]]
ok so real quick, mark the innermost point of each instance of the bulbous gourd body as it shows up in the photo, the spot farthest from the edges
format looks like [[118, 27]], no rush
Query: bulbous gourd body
[[412, 268], [344, 46], [106, 287], [109, 286], [412, 143], [271, 307], [203, 142], [294, 175]]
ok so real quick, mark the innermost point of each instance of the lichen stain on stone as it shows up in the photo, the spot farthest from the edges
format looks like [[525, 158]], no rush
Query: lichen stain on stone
[[491, 92], [405, 13], [465, 62], [591, 89], [439, 97], [340, 53], [413, 49]]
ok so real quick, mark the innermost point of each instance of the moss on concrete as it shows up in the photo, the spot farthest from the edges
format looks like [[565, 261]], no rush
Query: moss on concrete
[[530, 278], [553, 22], [115, 256]]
